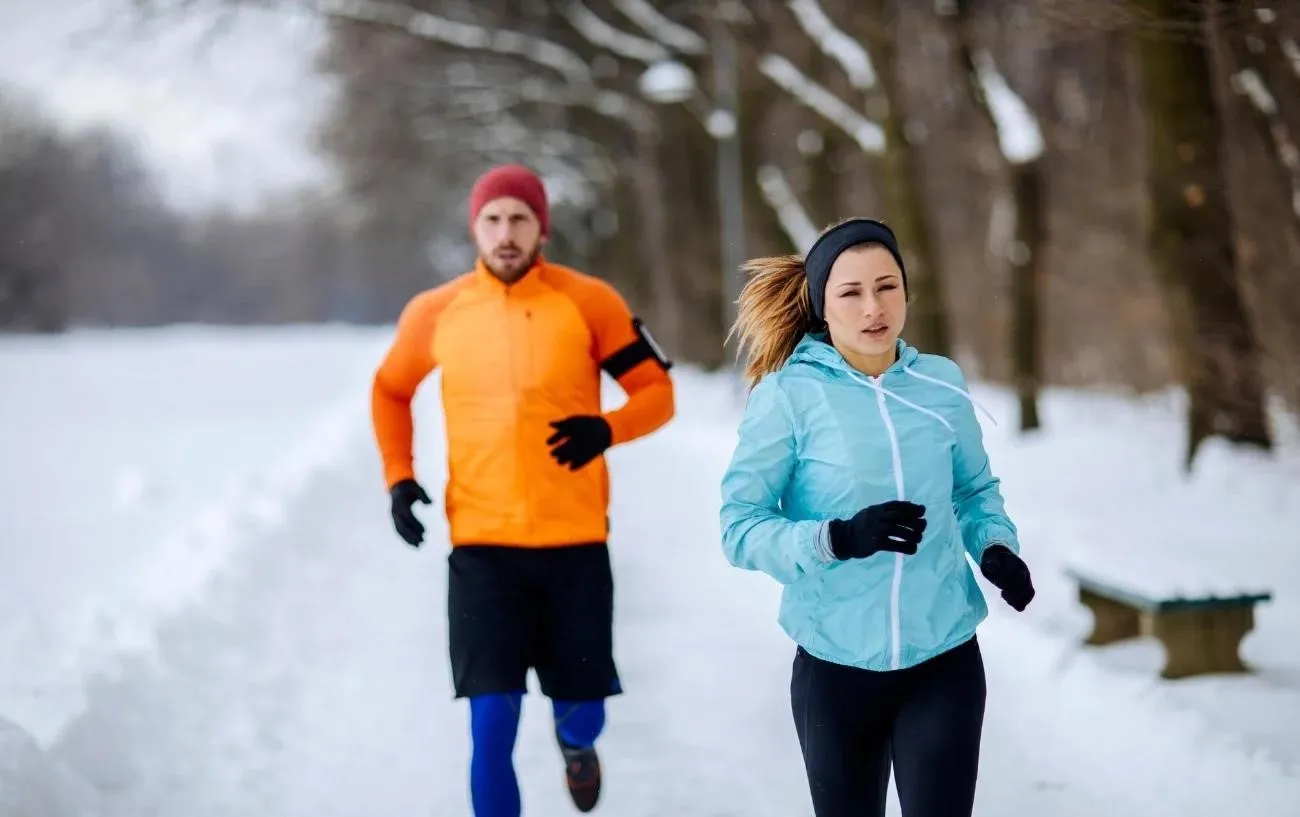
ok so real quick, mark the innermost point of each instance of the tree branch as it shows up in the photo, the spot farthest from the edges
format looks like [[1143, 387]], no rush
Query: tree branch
[[652, 22], [491, 97], [834, 43], [600, 33], [1020, 138], [789, 212], [580, 90], [1292, 53], [1248, 83], [1259, 69], [787, 75], [469, 36]]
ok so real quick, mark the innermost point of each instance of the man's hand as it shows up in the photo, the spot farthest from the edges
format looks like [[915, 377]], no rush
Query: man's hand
[[404, 495], [1008, 573], [578, 440]]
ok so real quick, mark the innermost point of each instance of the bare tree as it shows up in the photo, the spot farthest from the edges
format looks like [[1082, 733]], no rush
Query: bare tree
[[1022, 247], [862, 39], [1259, 91], [1193, 233], [827, 92]]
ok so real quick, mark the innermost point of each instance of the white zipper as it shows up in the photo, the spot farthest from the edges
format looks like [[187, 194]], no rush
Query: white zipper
[[895, 590]]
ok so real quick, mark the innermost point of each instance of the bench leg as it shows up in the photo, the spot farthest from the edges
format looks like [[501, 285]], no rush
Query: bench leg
[[1111, 621], [1199, 642]]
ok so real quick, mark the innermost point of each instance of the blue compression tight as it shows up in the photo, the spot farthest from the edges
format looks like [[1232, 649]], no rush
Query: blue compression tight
[[494, 725]]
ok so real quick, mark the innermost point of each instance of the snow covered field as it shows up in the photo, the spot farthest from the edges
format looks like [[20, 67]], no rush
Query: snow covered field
[[204, 611]]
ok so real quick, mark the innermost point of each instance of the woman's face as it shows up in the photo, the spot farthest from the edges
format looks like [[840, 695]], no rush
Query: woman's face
[[866, 305]]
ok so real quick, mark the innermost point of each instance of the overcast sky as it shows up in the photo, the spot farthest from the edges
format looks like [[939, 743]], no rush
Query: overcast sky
[[227, 121]]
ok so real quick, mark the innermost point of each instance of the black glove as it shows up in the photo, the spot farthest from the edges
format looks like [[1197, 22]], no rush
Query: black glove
[[890, 526], [579, 440], [1009, 573], [404, 495]]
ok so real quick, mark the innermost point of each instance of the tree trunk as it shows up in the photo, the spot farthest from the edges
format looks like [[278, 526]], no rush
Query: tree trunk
[[902, 200], [619, 253], [824, 179], [1253, 45], [764, 234], [663, 287], [1028, 244], [1192, 234], [688, 164], [1028, 240]]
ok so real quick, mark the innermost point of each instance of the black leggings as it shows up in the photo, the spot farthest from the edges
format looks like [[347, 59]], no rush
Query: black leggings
[[926, 719]]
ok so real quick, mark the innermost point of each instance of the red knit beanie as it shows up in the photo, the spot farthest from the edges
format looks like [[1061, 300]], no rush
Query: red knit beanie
[[515, 181]]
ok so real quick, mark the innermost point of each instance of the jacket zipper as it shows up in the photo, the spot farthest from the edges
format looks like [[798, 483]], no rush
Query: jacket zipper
[[895, 590], [526, 487], [515, 389]]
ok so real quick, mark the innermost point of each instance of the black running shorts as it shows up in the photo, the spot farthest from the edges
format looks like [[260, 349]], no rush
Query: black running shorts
[[511, 609]]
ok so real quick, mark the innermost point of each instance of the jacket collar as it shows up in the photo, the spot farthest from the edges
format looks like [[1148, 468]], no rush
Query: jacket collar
[[530, 282], [814, 348]]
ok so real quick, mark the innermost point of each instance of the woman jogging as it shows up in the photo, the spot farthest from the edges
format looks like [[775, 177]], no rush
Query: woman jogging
[[860, 482]]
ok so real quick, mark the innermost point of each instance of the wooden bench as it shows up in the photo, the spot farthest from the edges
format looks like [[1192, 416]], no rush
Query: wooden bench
[[1200, 634]]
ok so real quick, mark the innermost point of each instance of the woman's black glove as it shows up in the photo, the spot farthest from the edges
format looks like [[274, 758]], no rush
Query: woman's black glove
[[1009, 573], [404, 495], [894, 526]]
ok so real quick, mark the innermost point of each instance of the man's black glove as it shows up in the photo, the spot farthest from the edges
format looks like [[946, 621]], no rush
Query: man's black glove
[[404, 495], [579, 440], [890, 526], [1009, 573]]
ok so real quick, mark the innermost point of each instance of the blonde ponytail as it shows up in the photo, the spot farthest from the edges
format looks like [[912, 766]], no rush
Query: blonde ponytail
[[772, 313]]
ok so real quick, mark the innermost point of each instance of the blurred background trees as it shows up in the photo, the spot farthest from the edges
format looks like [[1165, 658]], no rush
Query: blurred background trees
[[1101, 194]]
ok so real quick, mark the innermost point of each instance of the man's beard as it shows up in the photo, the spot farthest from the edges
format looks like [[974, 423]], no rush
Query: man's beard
[[510, 271]]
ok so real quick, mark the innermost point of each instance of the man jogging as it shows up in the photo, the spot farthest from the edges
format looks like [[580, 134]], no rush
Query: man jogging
[[520, 343]]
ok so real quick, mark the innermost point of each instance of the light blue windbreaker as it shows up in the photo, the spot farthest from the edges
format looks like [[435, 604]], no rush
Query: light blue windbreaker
[[820, 440]]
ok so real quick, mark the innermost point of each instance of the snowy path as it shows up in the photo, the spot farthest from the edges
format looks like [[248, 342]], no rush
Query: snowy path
[[310, 679], [303, 682]]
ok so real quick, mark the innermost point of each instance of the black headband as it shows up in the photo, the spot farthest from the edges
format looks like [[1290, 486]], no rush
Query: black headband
[[817, 263]]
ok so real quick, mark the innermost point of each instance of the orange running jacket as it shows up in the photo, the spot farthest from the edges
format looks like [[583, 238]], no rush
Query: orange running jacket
[[513, 359]]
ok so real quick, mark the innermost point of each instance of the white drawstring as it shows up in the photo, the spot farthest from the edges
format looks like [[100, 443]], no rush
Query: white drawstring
[[882, 390], [957, 389], [875, 384]]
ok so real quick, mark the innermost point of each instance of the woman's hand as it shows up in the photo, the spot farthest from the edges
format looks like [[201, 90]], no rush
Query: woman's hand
[[894, 526], [1010, 574]]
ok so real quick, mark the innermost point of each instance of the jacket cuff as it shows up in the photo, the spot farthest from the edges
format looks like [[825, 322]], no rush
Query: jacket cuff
[[822, 544], [1008, 542]]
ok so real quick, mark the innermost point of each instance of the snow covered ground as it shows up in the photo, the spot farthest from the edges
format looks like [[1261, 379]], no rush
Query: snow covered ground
[[204, 611]]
